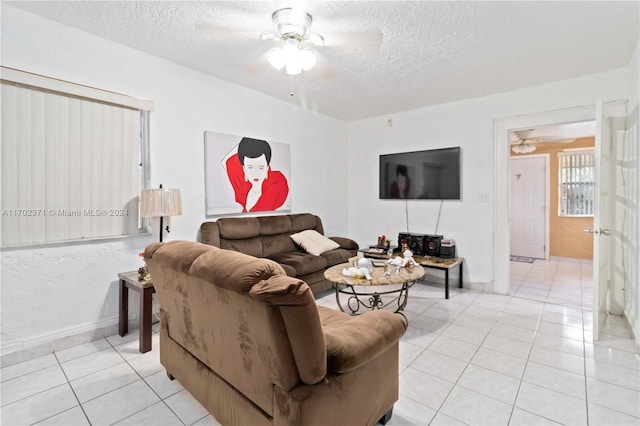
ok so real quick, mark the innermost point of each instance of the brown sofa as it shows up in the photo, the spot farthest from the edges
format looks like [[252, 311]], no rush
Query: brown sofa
[[251, 345], [270, 237]]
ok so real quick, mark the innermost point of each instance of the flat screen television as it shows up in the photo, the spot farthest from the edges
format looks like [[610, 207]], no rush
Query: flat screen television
[[432, 174]]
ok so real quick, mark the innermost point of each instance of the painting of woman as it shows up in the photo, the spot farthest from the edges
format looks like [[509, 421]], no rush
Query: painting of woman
[[246, 175], [256, 186]]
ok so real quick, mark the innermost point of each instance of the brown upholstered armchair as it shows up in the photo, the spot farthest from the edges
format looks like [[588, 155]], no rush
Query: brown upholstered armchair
[[250, 343]]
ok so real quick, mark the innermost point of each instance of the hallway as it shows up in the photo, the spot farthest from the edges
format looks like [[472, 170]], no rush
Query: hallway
[[567, 282]]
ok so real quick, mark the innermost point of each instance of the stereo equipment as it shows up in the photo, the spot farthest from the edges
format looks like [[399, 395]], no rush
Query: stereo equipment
[[416, 242], [432, 245], [447, 252]]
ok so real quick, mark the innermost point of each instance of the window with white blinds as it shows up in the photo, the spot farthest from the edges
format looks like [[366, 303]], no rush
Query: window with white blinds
[[577, 182], [71, 165]]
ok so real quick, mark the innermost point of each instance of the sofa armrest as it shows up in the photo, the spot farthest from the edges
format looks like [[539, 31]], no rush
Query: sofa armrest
[[352, 341], [345, 243]]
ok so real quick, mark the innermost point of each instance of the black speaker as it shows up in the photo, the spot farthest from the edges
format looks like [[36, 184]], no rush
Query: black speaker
[[416, 242], [432, 245]]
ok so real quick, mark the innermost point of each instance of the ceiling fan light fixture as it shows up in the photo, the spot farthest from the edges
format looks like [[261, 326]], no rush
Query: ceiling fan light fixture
[[523, 148], [292, 21], [294, 28], [277, 58], [316, 39], [290, 50], [307, 59], [293, 67]]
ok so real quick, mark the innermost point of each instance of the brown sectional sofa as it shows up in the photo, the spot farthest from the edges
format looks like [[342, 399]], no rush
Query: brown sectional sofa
[[270, 237], [251, 345]]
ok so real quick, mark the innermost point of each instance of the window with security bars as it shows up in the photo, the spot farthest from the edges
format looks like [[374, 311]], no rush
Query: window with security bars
[[577, 182]]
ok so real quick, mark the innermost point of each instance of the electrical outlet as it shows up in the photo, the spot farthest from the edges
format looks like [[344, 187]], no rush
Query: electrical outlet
[[483, 198]]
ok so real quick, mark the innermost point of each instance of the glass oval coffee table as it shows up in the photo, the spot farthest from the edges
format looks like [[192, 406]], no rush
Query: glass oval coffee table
[[366, 294]]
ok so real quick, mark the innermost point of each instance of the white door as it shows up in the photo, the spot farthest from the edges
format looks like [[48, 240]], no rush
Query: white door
[[527, 214], [602, 217]]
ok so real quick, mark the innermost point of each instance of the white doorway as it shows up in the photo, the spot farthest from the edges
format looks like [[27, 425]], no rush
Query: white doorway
[[601, 276], [528, 206], [502, 129]]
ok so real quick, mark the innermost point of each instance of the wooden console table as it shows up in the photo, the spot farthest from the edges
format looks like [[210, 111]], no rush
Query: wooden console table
[[129, 280], [444, 265]]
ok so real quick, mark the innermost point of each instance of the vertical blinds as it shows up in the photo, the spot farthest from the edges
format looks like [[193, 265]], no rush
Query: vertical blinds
[[577, 182], [71, 167]]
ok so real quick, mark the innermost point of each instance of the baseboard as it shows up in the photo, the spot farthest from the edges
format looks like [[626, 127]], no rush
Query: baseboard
[[17, 351], [570, 259], [634, 332], [434, 278]]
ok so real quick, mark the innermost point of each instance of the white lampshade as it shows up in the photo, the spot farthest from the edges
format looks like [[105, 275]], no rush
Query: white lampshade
[[160, 202], [293, 66], [290, 49], [292, 57], [277, 59], [307, 59]]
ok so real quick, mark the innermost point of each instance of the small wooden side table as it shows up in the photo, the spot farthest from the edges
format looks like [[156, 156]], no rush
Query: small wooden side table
[[129, 280], [444, 265]]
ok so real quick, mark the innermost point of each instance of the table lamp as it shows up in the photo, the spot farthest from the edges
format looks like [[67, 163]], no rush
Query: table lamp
[[160, 203]]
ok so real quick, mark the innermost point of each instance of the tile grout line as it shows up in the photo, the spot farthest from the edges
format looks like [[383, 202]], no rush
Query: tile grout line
[[456, 383]]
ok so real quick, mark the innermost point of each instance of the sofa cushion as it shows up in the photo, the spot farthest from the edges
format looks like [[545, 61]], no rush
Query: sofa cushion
[[313, 242], [302, 221], [302, 263], [251, 246], [238, 228], [210, 234], [273, 225], [289, 270], [280, 243]]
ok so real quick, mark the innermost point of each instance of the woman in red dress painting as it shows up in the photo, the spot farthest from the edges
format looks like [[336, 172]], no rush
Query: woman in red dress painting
[[256, 186]]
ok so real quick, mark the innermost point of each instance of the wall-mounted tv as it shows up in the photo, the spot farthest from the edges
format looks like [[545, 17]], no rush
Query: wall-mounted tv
[[432, 174]]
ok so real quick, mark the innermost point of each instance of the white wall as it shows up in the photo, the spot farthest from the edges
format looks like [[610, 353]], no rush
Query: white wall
[[470, 125], [49, 294], [632, 296]]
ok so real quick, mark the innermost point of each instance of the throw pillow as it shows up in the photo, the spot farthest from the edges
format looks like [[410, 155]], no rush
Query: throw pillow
[[314, 242]]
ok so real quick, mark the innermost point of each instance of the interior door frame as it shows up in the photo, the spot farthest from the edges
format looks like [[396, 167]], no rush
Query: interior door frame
[[502, 184], [547, 195]]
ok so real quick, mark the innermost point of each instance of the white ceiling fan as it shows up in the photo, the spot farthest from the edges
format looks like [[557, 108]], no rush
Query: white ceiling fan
[[296, 41], [293, 28], [523, 141]]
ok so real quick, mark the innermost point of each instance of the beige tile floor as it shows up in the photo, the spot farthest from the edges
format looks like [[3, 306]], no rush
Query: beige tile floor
[[475, 359]]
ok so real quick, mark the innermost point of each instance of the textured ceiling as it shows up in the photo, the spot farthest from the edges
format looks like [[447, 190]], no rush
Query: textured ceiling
[[381, 57]]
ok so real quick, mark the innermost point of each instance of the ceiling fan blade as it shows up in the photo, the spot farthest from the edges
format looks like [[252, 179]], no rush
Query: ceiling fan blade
[[372, 39], [259, 63], [554, 139], [213, 29], [522, 134]]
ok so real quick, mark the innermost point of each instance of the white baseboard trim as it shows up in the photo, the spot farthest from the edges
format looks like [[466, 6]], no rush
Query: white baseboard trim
[[453, 283], [16, 351]]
